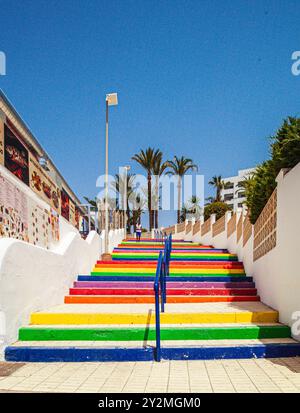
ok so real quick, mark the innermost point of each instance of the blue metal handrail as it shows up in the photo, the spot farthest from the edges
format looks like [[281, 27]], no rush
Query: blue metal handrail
[[160, 289], [158, 235], [157, 290]]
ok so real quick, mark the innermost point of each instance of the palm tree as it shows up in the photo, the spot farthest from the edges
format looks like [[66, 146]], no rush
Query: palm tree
[[119, 186], [218, 183], [138, 202], [92, 202], [179, 167], [209, 200], [159, 167], [194, 207], [98, 205], [147, 159], [183, 213]]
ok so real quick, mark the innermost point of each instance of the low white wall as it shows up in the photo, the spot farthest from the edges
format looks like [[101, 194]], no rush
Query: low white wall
[[276, 274], [220, 240], [33, 278], [114, 238]]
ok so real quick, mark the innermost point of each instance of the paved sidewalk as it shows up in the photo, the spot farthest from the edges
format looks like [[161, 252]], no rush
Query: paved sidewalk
[[252, 375]]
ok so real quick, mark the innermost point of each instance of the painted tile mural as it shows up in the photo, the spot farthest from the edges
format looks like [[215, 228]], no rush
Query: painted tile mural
[[39, 225], [23, 218], [54, 224], [20, 217], [72, 212], [1, 142], [41, 184], [65, 205], [13, 211], [16, 156]]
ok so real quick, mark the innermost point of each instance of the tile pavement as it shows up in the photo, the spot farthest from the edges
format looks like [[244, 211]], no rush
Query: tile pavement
[[209, 376]]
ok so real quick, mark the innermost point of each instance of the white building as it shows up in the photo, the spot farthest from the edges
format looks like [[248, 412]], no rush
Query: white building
[[233, 193]]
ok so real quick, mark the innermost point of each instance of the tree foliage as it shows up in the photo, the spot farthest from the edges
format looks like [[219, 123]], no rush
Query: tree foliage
[[147, 159], [218, 208], [218, 183], [179, 167], [285, 153]]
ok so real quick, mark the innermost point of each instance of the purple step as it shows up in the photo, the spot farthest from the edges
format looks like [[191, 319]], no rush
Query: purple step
[[170, 284]]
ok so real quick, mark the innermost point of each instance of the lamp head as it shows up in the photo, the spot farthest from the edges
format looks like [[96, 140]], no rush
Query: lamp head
[[112, 99]]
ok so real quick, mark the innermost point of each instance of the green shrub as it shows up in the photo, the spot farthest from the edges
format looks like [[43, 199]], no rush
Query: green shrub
[[218, 208], [259, 189], [285, 153], [285, 148]]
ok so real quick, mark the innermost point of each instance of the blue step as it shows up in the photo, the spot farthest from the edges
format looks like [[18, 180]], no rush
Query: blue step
[[149, 278], [232, 352], [77, 354], [83, 354]]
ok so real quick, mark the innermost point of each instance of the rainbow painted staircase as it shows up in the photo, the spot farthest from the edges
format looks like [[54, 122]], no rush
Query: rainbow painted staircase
[[212, 311]]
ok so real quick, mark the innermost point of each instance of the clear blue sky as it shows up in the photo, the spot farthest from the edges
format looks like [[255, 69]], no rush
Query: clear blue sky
[[210, 80]]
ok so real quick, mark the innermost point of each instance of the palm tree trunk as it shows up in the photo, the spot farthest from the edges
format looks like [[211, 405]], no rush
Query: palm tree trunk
[[179, 199], [128, 217], [155, 218], [149, 201]]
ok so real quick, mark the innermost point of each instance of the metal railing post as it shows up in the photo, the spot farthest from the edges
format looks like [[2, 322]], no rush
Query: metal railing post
[[157, 288], [160, 288]]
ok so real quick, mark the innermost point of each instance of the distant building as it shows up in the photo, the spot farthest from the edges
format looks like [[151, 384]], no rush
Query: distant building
[[233, 193]]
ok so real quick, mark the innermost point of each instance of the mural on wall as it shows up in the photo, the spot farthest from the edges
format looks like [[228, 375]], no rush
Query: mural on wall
[[21, 216], [40, 183], [1, 142], [15, 156], [13, 211], [39, 225], [65, 207], [54, 224], [72, 213], [77, 218]]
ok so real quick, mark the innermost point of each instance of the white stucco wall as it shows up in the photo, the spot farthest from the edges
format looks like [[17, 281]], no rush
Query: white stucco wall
[[33, 278], [276, 274]]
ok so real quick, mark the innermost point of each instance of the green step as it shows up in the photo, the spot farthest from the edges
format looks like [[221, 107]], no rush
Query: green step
[[136, 334]]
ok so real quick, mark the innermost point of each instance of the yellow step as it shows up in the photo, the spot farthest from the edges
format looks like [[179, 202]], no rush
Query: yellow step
[[178, 313]]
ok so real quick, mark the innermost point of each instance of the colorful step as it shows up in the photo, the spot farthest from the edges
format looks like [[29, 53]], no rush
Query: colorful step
[[183, 264], [93, 354], [96, 299], [171, 284], [167, 333], [191, 313], [170, 291], [130, 278], [212, 311]]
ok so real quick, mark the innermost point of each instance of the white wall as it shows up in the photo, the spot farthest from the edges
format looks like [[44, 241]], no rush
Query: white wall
[[114, 237], [220, 240], [33, 278], [276, 274]]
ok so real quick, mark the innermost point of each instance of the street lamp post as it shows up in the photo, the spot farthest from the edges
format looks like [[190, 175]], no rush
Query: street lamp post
[[126, 168], [111, 100]]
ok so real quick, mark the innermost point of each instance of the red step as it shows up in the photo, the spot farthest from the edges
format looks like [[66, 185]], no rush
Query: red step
[[170, 291]]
